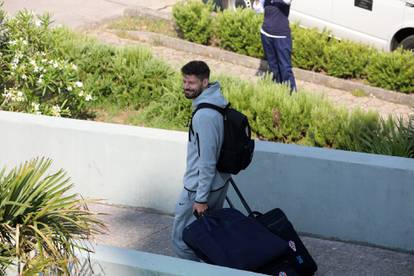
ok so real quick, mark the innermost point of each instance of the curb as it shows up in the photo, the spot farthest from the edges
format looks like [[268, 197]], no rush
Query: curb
[[255, 63]]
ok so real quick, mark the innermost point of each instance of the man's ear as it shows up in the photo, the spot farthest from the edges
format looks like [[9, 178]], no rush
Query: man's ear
[[205, 83]]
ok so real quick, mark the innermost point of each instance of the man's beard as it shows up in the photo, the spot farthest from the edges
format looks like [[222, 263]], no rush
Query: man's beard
[[192, 94]]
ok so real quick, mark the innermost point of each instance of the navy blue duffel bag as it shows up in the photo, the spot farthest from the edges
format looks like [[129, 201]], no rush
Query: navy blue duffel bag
[[228, 238]]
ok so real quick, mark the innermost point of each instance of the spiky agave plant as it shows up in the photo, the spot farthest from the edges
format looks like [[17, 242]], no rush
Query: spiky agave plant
[[396, 138], [42, 225]]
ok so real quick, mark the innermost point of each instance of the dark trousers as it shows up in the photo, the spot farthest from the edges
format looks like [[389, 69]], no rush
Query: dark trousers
[[278, 52]]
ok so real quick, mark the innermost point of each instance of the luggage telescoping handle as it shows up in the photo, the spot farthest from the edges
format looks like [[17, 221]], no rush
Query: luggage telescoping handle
[[243, 201]]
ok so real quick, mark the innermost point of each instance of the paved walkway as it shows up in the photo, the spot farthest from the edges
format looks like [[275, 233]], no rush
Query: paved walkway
[[147, 230], [78, 13]]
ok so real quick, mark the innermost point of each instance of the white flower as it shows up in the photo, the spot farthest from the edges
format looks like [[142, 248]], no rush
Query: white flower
[[55, 64], [19, 55], [12, 42], [7, 95], [24, 42], [15, 61], [24, 77], [88, 97], [19, 96], [79, 84], [69, 88], [80, 93], [35, 106], [56, 110], [38, 23], [74, 67], [32, 62]]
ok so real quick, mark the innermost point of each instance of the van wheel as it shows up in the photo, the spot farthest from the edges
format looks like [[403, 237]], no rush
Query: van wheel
[[408, 43]]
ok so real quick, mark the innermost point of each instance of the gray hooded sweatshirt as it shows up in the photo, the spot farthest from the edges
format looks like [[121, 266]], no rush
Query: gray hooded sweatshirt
[[204, 146]]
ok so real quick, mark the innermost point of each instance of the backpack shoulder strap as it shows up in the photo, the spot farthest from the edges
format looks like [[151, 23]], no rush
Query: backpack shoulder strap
[[211, 106], [219, 109]]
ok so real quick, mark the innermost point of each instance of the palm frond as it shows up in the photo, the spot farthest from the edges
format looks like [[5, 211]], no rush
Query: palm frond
[[42, 225]]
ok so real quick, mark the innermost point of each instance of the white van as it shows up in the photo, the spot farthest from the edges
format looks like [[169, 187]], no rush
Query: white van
[[385, 24]]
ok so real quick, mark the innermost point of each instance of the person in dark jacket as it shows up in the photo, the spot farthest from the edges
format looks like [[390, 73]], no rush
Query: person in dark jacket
[[204, 187], [277, 40]]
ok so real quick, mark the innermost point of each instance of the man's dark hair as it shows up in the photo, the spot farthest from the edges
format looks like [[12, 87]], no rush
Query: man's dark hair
[[198, 68]]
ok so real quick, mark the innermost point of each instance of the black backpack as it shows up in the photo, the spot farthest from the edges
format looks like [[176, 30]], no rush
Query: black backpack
[[237, 149]]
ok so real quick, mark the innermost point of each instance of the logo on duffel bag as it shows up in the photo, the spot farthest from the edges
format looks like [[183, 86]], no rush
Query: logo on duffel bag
[[292, 245]]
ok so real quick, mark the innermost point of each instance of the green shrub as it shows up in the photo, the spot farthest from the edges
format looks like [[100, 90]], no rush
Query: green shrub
[[359, 124], [172, 110], [326, 125], [130, 76], [35, 78], [240, 31], [274, 114], [194, 20], [393, 70], [308, 119], [308, 48], [345, 59]]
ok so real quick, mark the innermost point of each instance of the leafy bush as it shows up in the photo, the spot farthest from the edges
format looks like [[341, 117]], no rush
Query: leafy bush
[[273, 113], [326, 125], [131, 76], [240, 32], [42, 226], [308, 48], [34, 78], [357, 123], [393, 70], [171, 110], [345, 59], [193, 19]]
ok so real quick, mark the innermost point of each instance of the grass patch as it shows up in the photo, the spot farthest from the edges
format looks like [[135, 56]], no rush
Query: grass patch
[[144, 24], [111, 112], [359, 93]]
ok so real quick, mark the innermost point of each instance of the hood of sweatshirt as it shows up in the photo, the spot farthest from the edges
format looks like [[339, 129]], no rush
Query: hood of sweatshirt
[[212, 94]]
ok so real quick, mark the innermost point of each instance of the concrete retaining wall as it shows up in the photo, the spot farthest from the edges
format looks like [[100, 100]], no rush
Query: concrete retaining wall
[[335, 194]]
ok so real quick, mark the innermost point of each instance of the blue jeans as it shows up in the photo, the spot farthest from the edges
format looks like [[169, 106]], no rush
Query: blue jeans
[[278, 52]]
